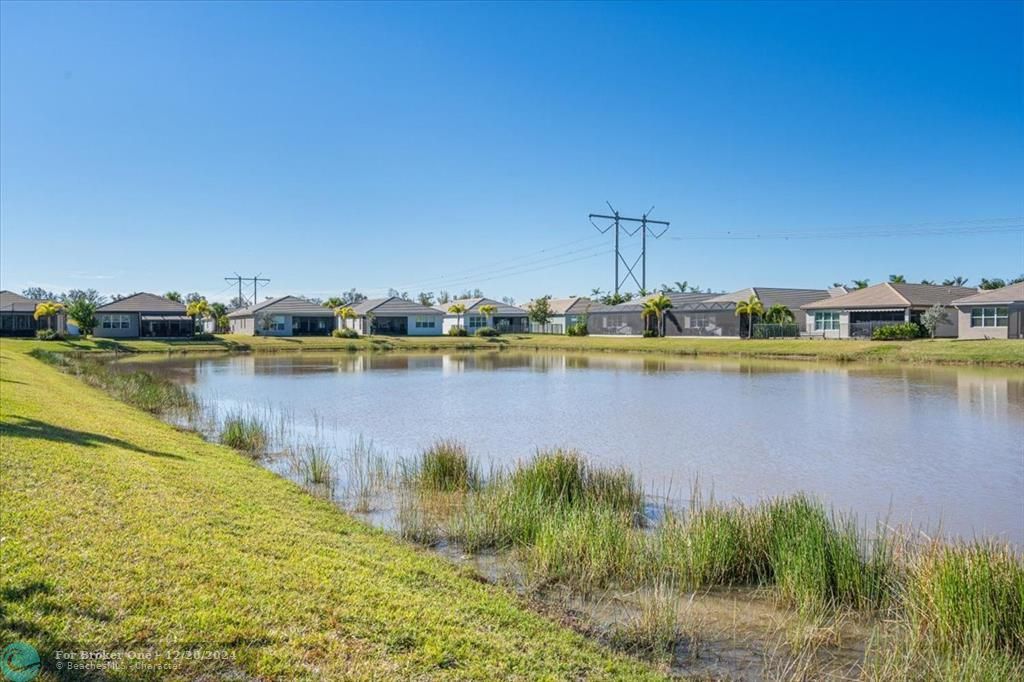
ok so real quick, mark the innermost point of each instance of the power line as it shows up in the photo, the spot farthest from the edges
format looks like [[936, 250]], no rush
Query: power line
[[996, 225], [459, 277], [644, 228], [257, 282]]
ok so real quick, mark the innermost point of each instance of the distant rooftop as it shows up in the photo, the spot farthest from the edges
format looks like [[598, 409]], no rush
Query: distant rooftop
[[143, 303]]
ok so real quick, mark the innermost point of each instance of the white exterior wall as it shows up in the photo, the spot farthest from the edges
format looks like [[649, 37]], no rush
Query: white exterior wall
[[362, 325], [436, 330], [844, 325], [451, 321]]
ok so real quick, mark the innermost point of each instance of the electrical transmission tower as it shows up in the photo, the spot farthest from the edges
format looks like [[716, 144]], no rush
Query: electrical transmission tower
[[256, 281], [643, 226]]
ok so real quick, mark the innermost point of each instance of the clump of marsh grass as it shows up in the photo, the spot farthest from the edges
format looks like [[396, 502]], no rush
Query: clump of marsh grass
[[245, 433], [814, 560], [416, 522], [967, 598], [445, 467], [659, 626], [316, 468], [367, 474], [587, 547]]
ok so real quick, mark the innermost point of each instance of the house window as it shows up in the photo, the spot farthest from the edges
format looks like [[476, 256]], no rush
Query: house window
[[425, 322], [115, 322], [990, 317], [826, 321], [277, 323], [477, 321]]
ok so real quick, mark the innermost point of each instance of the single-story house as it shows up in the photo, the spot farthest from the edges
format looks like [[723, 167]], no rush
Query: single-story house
[[626, 319], [700, 314], [565, 312], [17, 316], [283, 316], [858, 313], [143, 315], [992, 314], [506, 318], [395, 316]]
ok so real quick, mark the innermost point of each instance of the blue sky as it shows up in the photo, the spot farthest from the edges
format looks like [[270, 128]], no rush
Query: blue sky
[[443, 146]]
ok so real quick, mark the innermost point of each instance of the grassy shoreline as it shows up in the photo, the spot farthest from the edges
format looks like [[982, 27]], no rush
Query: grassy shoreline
[[1008, 353], [121, 532]]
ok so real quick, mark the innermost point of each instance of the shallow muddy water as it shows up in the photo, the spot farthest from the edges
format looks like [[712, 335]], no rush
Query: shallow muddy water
[[927, 446]]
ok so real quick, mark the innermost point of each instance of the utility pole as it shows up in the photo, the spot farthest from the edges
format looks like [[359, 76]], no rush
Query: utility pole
[[644, 227], [256, 281]]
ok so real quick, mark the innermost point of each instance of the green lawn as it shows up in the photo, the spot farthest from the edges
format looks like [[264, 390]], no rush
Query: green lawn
[[119, 532], [943, 351]]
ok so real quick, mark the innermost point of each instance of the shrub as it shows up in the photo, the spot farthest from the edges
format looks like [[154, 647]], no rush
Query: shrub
[[49, 335], [457, 331], [650, 334], [896, 332], [244, 433], [578, 328], [487, 331], [345, 333], [776, 331]]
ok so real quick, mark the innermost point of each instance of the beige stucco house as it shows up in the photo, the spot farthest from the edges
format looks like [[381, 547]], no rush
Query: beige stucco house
[[993, 314]]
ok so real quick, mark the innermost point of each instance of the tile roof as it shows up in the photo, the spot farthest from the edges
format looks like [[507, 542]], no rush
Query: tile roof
[[1009, 294], [143, 303], [11, 302], [284, 305], [393, 306], [473, 305], [562, 306], [889, 295]]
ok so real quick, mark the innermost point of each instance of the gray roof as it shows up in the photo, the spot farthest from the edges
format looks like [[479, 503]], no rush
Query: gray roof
[[563, 306], [769, 296], [11, 302], [383, 307], [1005, 295], [473, 305], [680, 301], [143, 303], [889, 295], [284, 305]]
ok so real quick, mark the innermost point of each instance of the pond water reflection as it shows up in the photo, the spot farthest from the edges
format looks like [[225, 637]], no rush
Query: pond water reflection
[[918, 445]]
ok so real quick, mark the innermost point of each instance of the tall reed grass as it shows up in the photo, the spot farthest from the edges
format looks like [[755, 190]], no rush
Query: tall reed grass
[[246, 433], [140, 389], [445, 467]]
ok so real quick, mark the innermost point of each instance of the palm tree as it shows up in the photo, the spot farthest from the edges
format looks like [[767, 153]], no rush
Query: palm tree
[[927, 281], [197, 309], [345, 312], [488, 311], [779, 314], [49, 310], [457, 309], [752, 307], [957, 281], [173, 296], [897, 279], [334, 302], [861, 283], [656, 307]]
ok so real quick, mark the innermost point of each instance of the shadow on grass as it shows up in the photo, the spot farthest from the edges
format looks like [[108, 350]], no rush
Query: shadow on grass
[[33, 428]]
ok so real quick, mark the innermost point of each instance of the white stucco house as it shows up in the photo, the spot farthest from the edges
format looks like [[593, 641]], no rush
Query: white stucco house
[[395, 316]]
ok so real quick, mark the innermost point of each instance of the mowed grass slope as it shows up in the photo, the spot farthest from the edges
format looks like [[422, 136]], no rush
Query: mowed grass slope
[[119, 532], [938, 351]]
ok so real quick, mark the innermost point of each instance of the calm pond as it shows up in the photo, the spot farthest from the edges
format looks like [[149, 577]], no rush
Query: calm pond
[[926, 446]]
